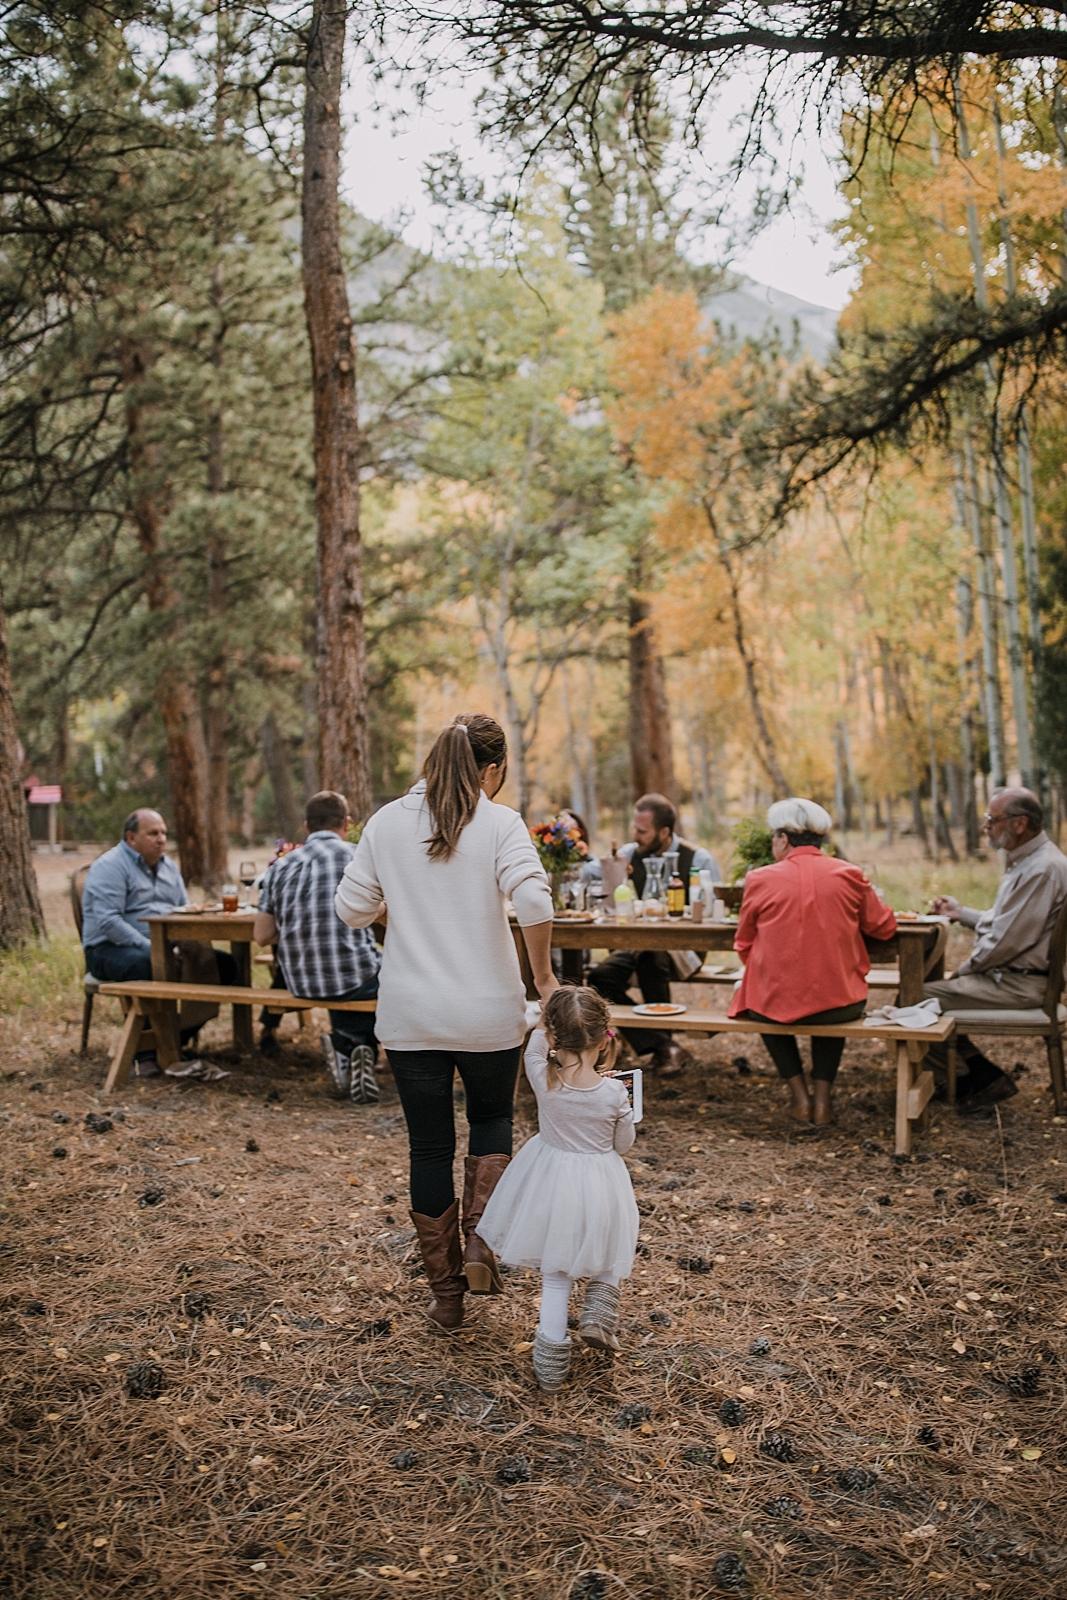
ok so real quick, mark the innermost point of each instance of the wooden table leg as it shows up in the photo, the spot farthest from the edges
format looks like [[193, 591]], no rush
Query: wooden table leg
[[571, 966], [524, 962], [903, 1126], [243, 1036], [128, 1046], [912, 963]]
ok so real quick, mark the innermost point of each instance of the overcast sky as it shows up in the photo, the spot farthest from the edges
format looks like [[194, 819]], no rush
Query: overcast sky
[[383, 177]]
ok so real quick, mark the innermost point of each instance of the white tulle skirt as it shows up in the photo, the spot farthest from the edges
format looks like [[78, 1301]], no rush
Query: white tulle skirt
[[563, 1211]]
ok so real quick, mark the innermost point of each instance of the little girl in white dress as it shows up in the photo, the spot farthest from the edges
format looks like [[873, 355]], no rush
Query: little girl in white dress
[[565, 1204]]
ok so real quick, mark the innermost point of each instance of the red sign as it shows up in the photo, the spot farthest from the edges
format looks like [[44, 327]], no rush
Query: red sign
[[46, 794]]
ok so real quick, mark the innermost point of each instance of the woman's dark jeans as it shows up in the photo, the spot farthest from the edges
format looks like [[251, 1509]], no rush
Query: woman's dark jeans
[[424, 1082], [825, 1053]]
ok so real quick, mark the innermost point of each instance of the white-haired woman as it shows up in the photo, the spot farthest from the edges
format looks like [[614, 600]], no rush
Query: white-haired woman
[[800, 935]]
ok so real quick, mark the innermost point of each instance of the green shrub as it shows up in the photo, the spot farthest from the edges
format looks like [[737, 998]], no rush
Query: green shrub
[[752, 847]]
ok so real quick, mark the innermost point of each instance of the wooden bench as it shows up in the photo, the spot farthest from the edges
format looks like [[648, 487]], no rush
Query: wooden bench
[[159, 1003], [914, 1087]]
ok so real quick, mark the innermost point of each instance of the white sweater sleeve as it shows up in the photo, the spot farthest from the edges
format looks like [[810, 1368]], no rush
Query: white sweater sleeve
[[358, 900], [520, 875]]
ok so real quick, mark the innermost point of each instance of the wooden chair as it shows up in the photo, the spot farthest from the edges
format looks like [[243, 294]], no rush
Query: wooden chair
[[90, 985], [1045, 1023]]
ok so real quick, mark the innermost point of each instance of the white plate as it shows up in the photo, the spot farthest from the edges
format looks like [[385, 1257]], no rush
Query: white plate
[[658, 1009]]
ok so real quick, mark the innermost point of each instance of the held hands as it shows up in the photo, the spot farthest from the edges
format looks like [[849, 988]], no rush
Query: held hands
[[946, 906]]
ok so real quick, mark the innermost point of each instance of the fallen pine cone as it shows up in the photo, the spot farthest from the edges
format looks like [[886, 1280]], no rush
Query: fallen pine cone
[[60, 1152], [513, 1469], [60, 1117], [855, 1479], [151, 1197], [779, 1446], [592, 1585], [729, 1571], [930, 1437], [732, 1413], [966, 1198], [406, 1460], [633, 1416], [695, 1264], [97, 1123], [1025, 1383], [252, 1147], [782, 1505], [760, 1347], [698, 1455], [660, 1318], [145, 1380]]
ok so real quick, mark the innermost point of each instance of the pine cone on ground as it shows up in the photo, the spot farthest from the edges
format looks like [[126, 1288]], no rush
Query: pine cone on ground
[[782, 1505], [779, 1446], [732, 1413], [760, 1347], [1025, 1383], [855, 1479], [729, 1571], [145, 1380], [513, 1469], [930, 1437]]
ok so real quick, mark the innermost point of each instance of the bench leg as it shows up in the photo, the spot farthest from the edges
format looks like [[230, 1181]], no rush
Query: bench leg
[[128, 1046], [87, 1017], [1054, 1045], [904, 1082], [953, 1065], [163, 1015]]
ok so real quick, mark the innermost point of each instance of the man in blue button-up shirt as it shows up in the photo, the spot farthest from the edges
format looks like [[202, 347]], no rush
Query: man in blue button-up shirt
[[133, 881]]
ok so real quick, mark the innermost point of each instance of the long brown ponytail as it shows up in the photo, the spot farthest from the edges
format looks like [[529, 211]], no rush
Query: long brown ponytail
[[452, 771]]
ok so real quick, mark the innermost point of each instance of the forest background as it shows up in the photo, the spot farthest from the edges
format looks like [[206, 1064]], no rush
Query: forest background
[[585, 507]]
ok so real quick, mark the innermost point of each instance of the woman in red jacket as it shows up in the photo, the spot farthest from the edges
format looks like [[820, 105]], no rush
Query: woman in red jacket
[[800, 936]]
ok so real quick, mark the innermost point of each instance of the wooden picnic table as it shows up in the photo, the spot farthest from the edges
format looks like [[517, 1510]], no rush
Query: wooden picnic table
[[910, 947], [232, 927]]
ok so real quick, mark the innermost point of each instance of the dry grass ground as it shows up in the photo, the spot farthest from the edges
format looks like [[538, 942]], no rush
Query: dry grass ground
[[315, 1438]]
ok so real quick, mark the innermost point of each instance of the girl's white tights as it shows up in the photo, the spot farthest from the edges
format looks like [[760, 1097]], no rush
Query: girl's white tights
[[555, 1298]]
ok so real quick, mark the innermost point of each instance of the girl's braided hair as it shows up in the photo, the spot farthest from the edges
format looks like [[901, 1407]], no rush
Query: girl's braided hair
[[575, 1020]]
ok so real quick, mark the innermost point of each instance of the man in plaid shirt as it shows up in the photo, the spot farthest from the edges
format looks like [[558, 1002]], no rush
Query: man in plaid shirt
[[318, 956]]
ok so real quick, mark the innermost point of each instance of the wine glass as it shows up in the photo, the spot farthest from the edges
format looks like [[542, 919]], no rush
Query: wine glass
[[247, 874]]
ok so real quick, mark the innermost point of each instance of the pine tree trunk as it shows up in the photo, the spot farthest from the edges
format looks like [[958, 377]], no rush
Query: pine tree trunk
[[987, 597], [651, 750], [20, 907], [278, 768], [178, 704], [342, 701]]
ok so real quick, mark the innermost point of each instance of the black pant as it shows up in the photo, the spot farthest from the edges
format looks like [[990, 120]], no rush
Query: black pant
[[424, 1082], [347, 1028], [825, 1053], [612, 979]]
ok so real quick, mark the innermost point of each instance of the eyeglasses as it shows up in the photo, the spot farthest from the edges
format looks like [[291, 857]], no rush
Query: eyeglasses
[[989, 821]]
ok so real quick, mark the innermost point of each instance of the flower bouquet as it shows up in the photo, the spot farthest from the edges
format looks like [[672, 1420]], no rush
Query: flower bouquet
[[561, 848]]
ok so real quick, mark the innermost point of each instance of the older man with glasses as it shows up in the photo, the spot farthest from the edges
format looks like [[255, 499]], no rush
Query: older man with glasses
[[1008, 967]]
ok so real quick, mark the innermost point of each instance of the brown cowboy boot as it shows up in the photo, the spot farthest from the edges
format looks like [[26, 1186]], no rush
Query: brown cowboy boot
[[481, 1174], [442, 1256]]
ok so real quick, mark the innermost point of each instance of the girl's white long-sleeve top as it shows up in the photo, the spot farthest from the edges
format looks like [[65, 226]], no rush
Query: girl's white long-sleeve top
[[450, 975]]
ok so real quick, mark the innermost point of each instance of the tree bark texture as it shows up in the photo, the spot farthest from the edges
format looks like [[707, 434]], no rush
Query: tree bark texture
[[278, 768], [20, 907], [651, 751], [216, 723], [342, 701], [766, 749], [176, 697]]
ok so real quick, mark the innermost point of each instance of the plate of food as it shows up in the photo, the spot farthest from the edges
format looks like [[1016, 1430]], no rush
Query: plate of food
[[658, 1008]]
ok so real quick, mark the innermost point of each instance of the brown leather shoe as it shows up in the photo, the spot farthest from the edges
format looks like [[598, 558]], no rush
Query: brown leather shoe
[[481, 1174], [1002, 1088], [670, 1063], [442, 1256]]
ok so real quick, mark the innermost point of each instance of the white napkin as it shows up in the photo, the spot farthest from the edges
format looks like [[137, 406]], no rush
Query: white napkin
[[924, 1015], [206, 1071]]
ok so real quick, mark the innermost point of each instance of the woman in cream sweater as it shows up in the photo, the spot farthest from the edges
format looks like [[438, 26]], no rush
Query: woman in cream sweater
[[441, 861]]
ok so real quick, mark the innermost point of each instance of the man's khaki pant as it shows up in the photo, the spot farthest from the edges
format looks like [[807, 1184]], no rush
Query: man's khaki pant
[[980, 991]]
